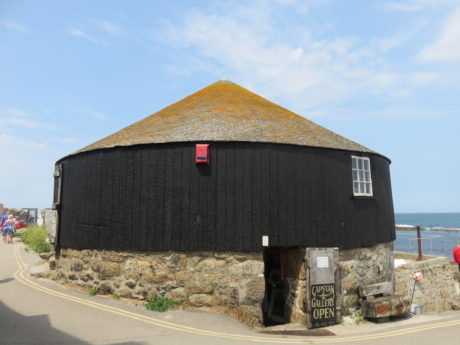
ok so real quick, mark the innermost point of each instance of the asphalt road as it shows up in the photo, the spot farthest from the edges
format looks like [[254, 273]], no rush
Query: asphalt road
[[37, 311]]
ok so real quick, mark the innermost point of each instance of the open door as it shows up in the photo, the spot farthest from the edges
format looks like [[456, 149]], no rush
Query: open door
[[274, 301]]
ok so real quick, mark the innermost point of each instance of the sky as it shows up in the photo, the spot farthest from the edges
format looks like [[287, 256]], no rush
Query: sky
[[382, 73]]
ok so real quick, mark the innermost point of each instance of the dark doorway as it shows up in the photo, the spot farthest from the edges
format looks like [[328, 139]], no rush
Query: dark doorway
[[274, 301]]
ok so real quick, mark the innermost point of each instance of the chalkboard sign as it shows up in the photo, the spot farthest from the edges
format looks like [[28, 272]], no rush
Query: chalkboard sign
[[322, 303]]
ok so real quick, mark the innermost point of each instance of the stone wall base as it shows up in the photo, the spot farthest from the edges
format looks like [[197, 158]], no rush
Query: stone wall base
[[233, 282], [230, 282], [361, 267]]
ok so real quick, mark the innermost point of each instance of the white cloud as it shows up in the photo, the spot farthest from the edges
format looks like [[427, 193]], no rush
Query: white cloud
[[109, 27], [21, 118], [69, 140], [298, 66], [22, 122], [12, 145], [13, 26], [89, 112], [401, 38], [424, 78], [304, 71], [16, 112], [447, 47], [82, 34], [95, 114], [416, 5]]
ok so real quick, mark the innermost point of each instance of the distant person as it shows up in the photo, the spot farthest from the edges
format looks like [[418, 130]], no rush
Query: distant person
[[457, 254], [4, 218], [8, 229], [2, 223]]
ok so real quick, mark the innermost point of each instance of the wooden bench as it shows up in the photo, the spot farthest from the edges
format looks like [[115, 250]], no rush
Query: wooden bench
[[378, 302]]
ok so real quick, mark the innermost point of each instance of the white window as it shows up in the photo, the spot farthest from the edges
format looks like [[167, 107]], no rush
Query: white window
[[362, 181]]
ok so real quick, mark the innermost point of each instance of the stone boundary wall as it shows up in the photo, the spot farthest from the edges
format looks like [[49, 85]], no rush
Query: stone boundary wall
[[364, 266], [436, 290], [233, 282]]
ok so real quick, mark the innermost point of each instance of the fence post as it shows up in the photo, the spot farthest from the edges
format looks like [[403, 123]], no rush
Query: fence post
[[419, 242]]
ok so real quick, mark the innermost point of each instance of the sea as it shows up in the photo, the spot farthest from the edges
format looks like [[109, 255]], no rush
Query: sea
[[440, 232]]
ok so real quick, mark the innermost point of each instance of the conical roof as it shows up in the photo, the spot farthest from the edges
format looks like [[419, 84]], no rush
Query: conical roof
[[225, 111]]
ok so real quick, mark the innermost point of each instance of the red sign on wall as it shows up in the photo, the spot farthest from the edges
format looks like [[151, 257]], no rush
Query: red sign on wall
[[202, 154]]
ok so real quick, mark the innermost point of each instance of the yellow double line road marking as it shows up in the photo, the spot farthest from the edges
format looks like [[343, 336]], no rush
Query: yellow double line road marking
[[19, 275]]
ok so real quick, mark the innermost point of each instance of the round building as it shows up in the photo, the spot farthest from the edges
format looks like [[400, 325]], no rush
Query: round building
[[214, 201]]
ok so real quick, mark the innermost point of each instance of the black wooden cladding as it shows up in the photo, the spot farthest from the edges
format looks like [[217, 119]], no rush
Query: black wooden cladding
[[154, 198]]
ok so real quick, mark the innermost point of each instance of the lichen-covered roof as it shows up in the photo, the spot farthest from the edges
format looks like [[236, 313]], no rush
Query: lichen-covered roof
[[224, 111]]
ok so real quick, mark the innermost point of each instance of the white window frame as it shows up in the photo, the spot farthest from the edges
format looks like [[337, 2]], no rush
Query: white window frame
[[361, 176]]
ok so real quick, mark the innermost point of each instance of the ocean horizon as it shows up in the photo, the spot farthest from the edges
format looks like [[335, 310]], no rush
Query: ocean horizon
[[439, 236]]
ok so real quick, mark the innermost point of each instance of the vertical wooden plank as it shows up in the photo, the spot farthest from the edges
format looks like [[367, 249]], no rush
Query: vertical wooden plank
[[230, 198], [256, 172], [137, 199], [221, 195], [123, 209], [127, 199], [274, 196], [330, 196], [97, 207], [178, 195], [105, 202], [187, 164], [291, 185], [154, 224], [143, 199], [168, 192], [245, 228], [345, 191], [321, 209], [195, 217], [161, 190], [265, 196], [240, 197], [283, 190], [298, 197], [211, 199], [116, 240], [80, 235], [307, 195], [148, 197]]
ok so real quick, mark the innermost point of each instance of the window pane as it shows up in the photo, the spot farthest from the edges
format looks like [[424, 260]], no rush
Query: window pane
[[366, 164], [355, 187], [360, 164], [361, 187], [361, 176], [368, 188], [355, 175], [355, 163], [366, 176]]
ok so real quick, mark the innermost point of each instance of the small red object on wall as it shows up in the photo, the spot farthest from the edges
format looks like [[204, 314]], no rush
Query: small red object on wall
[[202, 154]]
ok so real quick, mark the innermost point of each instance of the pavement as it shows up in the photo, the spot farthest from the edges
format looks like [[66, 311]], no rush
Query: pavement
[[41, 311]]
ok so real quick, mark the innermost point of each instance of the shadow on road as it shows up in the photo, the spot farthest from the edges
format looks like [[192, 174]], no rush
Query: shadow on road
[[6, 280], [16, 328]]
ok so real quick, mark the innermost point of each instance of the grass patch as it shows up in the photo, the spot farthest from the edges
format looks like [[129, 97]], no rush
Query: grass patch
[[36, 238], [359, 317], [161, 303], [92, 292], [116, 296]]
